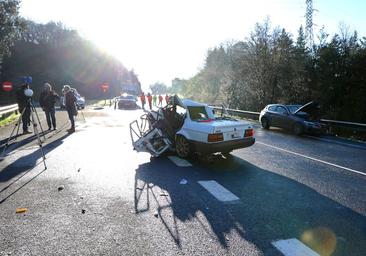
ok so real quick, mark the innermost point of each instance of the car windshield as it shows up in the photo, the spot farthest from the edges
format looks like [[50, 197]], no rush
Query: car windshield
[[198, 113], [293, 108]]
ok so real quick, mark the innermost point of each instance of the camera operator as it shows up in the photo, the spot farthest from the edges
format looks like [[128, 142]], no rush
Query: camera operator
[[47, 101], [70, 100], [24, 106]]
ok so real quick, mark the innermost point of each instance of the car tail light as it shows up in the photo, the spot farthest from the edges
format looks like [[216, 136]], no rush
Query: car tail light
[[215, 137], [249, 133]]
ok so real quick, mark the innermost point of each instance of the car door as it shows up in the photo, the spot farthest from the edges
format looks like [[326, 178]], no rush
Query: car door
[[282, 117]]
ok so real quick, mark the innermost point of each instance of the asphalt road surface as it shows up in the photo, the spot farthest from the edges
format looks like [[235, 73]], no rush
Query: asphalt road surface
[[99, 197]]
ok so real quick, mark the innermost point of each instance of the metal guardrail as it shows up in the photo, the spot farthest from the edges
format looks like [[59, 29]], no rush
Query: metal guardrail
[[7, 110], [330, 123]]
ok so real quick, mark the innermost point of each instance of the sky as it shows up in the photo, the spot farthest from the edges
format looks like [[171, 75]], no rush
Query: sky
[[164, 39]]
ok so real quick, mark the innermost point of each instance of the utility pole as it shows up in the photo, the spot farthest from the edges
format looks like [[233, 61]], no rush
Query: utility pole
[[309, 34]]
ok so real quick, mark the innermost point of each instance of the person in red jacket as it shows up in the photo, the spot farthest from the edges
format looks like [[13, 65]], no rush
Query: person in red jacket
[[167, 98], [143, 100], [160, 101], [149, 99]]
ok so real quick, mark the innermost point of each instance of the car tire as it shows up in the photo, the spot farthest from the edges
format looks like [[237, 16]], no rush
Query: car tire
[[265, 123], [182, 147], [298, 129]]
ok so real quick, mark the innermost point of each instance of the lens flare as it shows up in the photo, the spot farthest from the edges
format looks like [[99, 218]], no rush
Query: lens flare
[[321, 239]]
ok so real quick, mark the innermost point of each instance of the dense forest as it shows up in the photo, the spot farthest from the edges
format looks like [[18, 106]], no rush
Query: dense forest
[[270, 66], [55, 54]]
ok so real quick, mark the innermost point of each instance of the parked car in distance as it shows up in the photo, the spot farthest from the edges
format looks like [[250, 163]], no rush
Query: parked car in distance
[[126, 101], [296, 118], [80, 101]]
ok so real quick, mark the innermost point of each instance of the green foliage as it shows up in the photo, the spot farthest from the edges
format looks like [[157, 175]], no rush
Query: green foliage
[[158, 88], [10, 25], [270, 67]]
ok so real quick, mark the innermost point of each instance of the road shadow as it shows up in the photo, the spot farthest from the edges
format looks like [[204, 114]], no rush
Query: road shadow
[[16, 170], [271, 207]]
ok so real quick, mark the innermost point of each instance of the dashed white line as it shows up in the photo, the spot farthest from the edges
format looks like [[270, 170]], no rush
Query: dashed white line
[[293, 247], [312, 158], [179, 161], [218, 191]]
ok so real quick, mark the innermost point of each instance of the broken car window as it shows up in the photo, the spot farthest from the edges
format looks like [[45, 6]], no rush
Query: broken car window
[[198, 113]]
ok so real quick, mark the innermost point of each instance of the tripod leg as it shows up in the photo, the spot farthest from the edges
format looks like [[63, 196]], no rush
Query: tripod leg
[[38, 138], [39, 122], [12, 132]]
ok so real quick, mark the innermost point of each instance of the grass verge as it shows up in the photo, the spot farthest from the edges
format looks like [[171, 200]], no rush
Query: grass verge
[[9, 119]]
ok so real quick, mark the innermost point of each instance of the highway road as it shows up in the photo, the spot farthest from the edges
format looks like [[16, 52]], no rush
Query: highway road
[[99, 197]]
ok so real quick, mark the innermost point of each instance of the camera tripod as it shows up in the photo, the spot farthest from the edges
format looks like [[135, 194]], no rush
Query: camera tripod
[[34, 119]]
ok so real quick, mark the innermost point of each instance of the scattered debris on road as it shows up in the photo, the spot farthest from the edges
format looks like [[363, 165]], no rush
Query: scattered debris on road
[[60, 188], [156, 214], [21, 210], [183, 182], [79, 169], [83, 211]]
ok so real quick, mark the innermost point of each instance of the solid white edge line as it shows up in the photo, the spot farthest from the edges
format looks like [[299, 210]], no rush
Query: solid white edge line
[[312, 158], [336, 142], [218, 191], [293, 247]]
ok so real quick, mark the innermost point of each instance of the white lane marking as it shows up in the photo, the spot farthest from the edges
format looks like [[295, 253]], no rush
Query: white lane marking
[[312, 158], [336, 142], [218, 191], [179, 161], [293, 247]]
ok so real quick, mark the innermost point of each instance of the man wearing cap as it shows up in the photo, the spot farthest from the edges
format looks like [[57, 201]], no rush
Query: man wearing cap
[[70, 100]]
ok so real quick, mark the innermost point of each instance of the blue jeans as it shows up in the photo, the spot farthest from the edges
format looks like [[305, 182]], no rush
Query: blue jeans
[[50, 116]]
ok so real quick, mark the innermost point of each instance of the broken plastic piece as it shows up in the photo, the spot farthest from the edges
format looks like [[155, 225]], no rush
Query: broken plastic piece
[[60, 188], [21, 210]]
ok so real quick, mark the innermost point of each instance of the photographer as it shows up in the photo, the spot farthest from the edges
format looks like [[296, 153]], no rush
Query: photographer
[[70, 100], [47, 101], [24, 106]]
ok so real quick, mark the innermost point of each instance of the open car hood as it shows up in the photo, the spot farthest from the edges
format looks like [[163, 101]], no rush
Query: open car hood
[[312, 108]]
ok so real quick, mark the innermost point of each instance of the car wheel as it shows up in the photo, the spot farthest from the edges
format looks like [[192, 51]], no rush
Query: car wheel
[[298, 129], [265, 123], [182, 147]]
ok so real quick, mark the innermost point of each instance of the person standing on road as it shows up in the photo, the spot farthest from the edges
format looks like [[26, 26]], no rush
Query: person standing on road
[[149, 99], [24, 107], [167, 98], [154, 99], [47, 101], [143, 100], [70, 100], [160, 101]]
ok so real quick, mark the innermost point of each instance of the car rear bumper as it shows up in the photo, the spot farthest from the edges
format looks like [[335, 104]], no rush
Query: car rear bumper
[[226, 146]]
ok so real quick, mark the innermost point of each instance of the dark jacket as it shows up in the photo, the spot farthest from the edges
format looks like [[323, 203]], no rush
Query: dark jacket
[[70, 100], [22, 100], [47, 100]]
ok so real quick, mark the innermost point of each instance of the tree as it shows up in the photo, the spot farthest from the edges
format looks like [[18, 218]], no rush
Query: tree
[[158, 88], [10, 25]]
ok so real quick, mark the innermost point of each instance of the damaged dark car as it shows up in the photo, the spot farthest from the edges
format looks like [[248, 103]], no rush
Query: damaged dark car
[[297, 118]]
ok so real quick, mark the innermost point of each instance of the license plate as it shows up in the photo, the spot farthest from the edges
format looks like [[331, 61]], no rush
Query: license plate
[[235, 135]]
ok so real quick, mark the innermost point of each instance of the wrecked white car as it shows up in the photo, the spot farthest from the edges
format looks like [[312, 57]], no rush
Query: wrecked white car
[[189, 127]]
